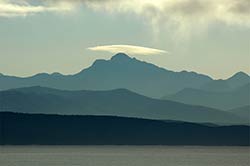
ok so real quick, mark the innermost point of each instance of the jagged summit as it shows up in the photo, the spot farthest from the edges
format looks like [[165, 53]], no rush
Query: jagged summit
[[120, 56]]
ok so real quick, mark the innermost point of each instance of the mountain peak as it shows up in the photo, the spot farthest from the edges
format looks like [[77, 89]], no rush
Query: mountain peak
[[56, 74], [120, 56], [238, 79], [240, 75]]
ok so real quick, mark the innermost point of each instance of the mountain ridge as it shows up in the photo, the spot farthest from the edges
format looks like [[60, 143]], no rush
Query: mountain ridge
[[121, 71], [240, 73], [223, 100], [119, 102], [41, 129]]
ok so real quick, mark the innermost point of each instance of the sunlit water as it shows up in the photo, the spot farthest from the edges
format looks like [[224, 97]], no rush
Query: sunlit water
[[123, 156]]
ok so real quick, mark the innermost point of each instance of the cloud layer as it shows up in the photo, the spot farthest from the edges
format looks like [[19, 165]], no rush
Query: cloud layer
[[129, 49], [185, 16], [23, 8], [178, 11], [181, 15], [230, 11]]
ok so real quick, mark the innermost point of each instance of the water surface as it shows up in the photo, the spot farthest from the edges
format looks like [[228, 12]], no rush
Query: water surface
[[123, 156]]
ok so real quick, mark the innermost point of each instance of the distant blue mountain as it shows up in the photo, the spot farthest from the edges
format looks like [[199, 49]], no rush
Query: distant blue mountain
[[119, 102], [243, 111], [227, 94], [223, 100], [236, 81], [120, 71]]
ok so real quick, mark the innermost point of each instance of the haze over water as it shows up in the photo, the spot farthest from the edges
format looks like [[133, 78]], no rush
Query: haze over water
[[124, 156]]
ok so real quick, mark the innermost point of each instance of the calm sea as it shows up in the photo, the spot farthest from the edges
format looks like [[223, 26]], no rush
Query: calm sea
[[123, 156]]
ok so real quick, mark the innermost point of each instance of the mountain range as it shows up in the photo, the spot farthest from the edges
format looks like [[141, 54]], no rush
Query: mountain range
[[125, 86], [119, 102], [121, 71], [224, 100], [39, 129], [237, 80], [124, 101]]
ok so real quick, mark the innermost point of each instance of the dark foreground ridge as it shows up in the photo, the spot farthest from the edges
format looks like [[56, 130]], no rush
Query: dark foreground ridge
[[30, 129]]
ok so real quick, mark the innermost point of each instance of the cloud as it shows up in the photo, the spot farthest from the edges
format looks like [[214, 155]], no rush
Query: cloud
[[23, 8], [184, 16], [129, 49]]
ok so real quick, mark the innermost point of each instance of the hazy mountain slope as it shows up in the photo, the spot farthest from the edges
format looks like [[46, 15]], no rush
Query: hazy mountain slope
[[237, 80], [242, 112], [120, 71], [221, 100], [31, 129], [118, 102]]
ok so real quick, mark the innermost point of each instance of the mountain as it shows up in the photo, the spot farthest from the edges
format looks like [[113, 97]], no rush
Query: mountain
[[120, 71], [242, 112], [237, 80], [119, 102], [224, 100], [38, 129]]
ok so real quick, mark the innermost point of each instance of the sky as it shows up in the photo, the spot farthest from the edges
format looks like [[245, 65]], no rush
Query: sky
[[206, 36]]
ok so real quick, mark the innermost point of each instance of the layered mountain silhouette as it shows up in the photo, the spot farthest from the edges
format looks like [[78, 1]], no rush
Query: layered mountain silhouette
[[101, 90], [121, 71], [37, 129], [120, 102], [236, 81], [105, 104], [224, 100]]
